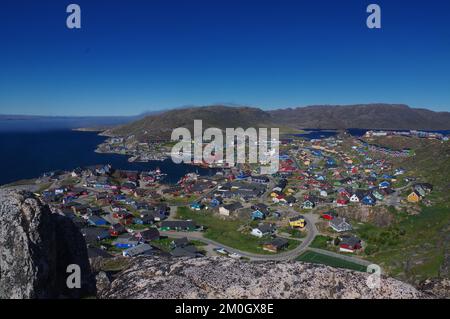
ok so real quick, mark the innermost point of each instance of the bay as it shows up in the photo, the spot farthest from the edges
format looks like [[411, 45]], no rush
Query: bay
[[29, 154]]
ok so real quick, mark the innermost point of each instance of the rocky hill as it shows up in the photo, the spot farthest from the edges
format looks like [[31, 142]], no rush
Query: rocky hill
[[365, 116], [370, 116], [36, 247], [160, 126], [220, 277]]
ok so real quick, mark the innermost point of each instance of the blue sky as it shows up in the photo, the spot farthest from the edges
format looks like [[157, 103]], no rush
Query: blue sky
[[139, 55]]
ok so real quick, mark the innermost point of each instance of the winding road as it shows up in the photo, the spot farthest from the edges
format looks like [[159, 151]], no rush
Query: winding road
[[310, 220]]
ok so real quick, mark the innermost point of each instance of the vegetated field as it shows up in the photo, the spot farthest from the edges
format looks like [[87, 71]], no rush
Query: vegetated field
[[316, 258], [415, 247], [321, 242], [227, 231]]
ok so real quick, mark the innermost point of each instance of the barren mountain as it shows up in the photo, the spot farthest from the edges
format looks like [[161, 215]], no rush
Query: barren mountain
[[370, 116]]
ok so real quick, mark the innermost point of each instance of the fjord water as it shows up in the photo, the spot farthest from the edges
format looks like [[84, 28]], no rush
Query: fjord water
[[29, 154]]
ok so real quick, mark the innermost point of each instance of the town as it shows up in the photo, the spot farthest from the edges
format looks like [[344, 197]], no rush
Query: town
[[310, 210]]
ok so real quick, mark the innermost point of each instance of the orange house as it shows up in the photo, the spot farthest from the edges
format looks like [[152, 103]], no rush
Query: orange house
[[414, 197]]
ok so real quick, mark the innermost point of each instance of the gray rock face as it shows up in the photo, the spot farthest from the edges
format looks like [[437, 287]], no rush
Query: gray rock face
[[36, 247], [220, 277]]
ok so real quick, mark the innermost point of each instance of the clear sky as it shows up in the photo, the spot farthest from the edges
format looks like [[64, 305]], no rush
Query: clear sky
[[133, 56]]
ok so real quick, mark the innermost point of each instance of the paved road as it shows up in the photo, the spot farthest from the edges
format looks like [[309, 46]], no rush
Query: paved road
[[287, 255]]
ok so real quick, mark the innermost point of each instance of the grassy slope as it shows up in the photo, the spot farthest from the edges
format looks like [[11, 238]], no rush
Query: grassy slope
[[316, 258], [414, 247], [227, 231]]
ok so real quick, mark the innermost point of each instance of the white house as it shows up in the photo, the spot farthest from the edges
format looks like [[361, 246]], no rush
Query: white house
[[323, 193], [263, 230], [340, 225], [137, 250], [354, 198]]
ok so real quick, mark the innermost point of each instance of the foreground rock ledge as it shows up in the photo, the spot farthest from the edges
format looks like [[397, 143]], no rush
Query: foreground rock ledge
[[220, 277], [36, 247]]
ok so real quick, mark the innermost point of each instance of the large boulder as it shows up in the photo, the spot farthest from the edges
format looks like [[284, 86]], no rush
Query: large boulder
[[36, 248], [219, 277]]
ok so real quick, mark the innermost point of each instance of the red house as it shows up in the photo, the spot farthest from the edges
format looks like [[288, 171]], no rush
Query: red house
[[116, 230], [342, 202], [329, 215], [350, 244]]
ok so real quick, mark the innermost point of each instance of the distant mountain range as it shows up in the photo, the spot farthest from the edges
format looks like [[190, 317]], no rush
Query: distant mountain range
[[364, 116], [159, 124]]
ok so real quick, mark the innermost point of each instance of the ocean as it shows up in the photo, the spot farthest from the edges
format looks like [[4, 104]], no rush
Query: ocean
[[29, 154]]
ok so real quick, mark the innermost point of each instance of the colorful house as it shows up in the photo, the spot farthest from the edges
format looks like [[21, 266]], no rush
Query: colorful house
[[329, 215], [307, 204], [257, 214], [349, 244], [297, 222], [414, 197]]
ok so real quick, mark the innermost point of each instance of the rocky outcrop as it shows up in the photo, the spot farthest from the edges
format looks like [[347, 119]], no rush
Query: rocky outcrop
[[437, 287], [378, 215], [36, 248], [219, 277]]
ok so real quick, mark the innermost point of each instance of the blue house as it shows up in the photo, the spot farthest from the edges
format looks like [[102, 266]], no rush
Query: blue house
[[368, 200], [120, 198], [384, 184], [257, 214], [216, 202], [196, 206], [97, 221], [125, 242], [242, 175]]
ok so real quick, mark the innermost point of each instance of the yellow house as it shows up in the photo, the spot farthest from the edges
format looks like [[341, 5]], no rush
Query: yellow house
[[414, 197], [297, 222]]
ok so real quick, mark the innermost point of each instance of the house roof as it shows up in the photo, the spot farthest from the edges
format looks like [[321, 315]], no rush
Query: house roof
[[350, 240], [233, 206], [181, 242], [299, 217], [178, 223], [339, 222], [187, 251], [278, 242], [138, 249], [149, 234], [266, 228]]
